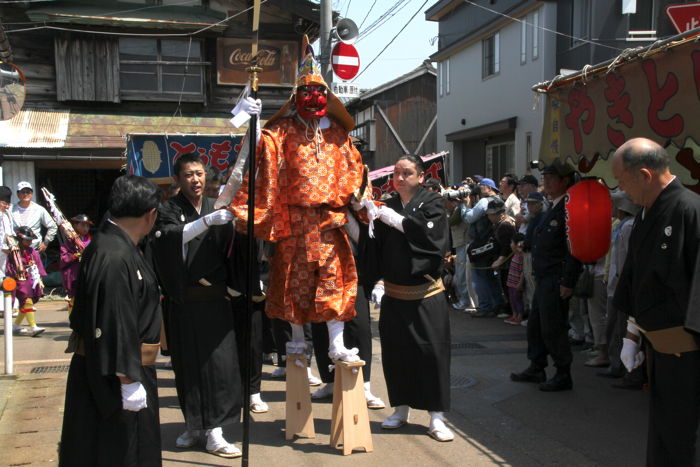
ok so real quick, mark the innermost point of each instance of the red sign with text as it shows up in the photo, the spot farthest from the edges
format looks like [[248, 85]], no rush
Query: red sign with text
[[684, 16]]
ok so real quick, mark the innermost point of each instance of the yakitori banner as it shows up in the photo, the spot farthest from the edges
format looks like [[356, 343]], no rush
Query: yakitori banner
[[381, 178], [153, 155], [656, 95]]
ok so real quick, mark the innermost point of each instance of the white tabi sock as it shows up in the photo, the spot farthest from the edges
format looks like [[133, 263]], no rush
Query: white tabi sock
[[298, 343], [337, 349]]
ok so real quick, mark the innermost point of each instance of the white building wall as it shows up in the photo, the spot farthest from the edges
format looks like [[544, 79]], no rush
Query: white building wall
[[502, 96]]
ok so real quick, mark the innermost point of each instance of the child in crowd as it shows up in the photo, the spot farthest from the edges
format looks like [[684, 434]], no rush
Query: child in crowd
[[516, 280], [71, 254], [29, 288]]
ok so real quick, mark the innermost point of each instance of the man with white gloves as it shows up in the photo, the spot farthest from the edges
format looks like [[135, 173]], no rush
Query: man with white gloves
[[192, 246], [654, 290], [111, 409]]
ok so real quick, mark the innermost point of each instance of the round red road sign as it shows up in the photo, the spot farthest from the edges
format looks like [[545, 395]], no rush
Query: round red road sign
[[345, 60]]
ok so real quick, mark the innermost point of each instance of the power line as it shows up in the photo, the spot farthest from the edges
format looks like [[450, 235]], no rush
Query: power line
[[392, 39], [368, 12], [512, 18], [348, 8], [109, 33], [383, 18]]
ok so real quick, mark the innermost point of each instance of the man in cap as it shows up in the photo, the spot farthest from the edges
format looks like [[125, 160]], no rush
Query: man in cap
[[27, 213], [480, 230], [654, 291], [556, 272]]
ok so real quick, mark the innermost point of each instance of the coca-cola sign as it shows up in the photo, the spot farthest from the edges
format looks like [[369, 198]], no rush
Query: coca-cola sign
[[278, 60]]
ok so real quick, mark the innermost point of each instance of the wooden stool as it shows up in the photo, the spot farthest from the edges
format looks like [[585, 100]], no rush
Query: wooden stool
[[350, 422], [298, 407]]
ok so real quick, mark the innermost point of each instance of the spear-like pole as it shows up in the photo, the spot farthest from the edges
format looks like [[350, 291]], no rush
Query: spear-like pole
[[253, 70]]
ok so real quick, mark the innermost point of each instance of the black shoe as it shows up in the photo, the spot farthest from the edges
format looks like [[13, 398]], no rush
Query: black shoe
[[626, 383], [484, 314], [559, 382], [610, 373], [530, 375]]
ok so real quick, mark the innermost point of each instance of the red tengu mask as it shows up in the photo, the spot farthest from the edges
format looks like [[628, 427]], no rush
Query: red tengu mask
[[311, 101]]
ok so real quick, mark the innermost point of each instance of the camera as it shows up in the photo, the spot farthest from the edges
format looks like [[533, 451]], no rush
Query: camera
[[539, 165], [456, 193]]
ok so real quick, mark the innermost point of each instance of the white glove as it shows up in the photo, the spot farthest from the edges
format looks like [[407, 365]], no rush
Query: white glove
[[391, 218], [134, 396], [377, 294], [631, 355], [218, 217], [251, 106]]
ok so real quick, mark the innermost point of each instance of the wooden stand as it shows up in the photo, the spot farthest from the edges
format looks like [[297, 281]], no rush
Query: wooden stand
[[350, 422], [298, 407]]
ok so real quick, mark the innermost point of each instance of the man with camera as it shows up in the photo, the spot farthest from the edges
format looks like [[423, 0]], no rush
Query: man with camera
[[481, 250]]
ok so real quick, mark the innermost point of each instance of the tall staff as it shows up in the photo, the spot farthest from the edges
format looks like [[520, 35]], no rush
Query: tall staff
[[253, 70]]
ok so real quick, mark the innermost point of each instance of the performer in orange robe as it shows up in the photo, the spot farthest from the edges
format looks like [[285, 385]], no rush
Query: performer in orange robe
[[308, 172]]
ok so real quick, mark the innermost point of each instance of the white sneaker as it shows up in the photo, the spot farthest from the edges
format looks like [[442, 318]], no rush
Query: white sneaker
[[257, 405], [323, 392], [217, 445], [36, 330], [187, 439], [279, 372], [313, 380], [398, 419], [19, 330]]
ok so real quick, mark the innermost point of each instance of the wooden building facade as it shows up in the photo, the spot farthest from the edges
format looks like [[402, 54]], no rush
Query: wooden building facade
[[397, 117]]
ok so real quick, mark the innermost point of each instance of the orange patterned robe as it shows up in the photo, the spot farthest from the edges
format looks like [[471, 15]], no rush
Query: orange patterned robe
[[301, 204]]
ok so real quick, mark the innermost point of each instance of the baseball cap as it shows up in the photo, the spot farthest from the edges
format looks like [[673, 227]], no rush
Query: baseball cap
[[529, 179], [489, 183], [557, 167], [495, 206], [535, 197], [22, 185]]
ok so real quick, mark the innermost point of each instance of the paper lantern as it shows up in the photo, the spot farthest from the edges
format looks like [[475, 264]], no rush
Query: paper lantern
[[589, 220]]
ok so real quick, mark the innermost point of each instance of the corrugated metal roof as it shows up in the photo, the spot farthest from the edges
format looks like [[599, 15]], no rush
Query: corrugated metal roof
[[32, 128]]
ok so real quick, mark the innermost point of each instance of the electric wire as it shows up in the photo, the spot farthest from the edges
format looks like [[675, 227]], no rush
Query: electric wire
[[368, 12], [553, 31], [383, 18], [391, 41]]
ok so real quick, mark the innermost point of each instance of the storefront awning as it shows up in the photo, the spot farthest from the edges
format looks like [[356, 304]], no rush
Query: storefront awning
[[34, 128]]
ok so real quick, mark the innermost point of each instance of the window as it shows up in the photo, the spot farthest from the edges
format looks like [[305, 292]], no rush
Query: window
[[500, 159], [528, 148], [491, 56], [523, 41], [535, 35], [161, 69], [645, 17], [440, 73], [446, 69], [580, 21]]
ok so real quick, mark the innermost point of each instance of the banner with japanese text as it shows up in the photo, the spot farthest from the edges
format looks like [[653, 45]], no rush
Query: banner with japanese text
[[656, 95], [381, 178], [152, 156]]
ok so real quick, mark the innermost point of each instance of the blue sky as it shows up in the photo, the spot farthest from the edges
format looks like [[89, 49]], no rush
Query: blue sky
[[409, 49]]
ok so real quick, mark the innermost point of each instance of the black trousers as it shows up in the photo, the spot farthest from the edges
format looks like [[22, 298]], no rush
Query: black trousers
[[255, 353], [548, 325], [674, 409], [357, 333]]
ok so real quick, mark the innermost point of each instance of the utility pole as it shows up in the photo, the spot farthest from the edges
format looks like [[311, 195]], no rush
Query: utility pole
[[325, 40]]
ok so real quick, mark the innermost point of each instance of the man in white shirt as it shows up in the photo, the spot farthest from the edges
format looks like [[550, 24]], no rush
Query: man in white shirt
[[28, 213], [507, 186]]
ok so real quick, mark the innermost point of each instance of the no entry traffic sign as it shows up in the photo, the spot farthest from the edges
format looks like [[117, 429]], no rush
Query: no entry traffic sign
[[684, 16], [345, 60]]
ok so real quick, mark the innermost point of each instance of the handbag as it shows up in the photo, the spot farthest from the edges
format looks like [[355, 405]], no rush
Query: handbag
[[584, 284]]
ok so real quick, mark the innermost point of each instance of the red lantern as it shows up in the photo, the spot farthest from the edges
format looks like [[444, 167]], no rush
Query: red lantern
[[589, 220]]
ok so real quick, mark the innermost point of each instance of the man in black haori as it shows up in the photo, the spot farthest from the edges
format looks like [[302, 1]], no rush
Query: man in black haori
[[654, 290], [191, 247], [111, 410]]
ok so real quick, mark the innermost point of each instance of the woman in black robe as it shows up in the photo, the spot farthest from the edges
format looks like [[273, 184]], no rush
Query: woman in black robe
[[111, 409], [414, 325]]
